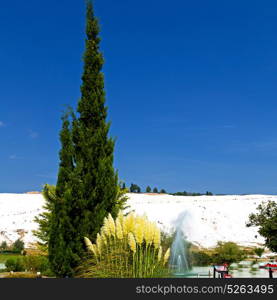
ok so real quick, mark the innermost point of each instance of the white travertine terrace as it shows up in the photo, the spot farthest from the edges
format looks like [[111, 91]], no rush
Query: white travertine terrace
[[209, 218]]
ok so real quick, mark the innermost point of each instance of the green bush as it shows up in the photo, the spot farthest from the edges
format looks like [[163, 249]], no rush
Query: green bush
[[18, 246], [259, 251], [15, 264], [30, 263], [200, 258], [3, 246], [228, 252], [35, 263]]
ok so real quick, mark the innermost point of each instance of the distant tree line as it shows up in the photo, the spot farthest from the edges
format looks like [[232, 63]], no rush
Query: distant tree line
[[16, 247], [134, 188], [192, 194]]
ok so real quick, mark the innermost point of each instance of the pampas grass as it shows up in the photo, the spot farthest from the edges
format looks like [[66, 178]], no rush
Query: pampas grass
[[129, 246]]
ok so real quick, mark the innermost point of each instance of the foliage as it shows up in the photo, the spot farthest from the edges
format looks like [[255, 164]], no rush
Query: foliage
[[191, 194], [31, 263], [163, 191], [134, 188], [127, 247], [36, 263], [123, 186], [228, 252], [15, 264], [3, 246], [167, 238], [200, 258], [87, 188], [5, 256], [186, 194], [266, 220], [18, 246], [148, 189], [44, 219], [259, 251], [155, 190]]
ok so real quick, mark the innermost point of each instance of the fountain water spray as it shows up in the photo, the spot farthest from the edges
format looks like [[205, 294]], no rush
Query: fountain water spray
[[178, 259]]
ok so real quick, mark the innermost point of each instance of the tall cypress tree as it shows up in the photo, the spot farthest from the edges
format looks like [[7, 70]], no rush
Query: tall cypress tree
[[97, 181], [87, 186], [59, 252]]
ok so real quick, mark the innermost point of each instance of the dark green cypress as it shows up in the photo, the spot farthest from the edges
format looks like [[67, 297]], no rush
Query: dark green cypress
[[148, 189], [87, 187], [59, 251], [66, 153], [95, 181]]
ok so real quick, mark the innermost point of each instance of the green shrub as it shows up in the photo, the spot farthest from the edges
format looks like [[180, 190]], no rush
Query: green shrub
[[15, 264], [18, 246], [259, 251], [3, 246], [36, 263], [240, 266], [200, 258], [228, 252]]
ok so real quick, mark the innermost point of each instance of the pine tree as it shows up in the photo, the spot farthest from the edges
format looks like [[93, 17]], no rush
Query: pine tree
[[87, 187], [148, 189], [155, 190]]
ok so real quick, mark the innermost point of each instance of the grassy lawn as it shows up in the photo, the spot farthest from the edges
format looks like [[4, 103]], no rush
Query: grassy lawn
[[5, 257]]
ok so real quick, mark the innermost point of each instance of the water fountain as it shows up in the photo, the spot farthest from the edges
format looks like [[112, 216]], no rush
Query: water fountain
[[178, 260]]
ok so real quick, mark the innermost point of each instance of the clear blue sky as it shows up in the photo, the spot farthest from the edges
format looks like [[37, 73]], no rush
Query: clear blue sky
[[191, 90]]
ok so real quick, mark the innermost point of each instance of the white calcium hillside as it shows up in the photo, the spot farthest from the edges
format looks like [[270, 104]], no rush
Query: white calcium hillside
[[208, 218], [17, 213]]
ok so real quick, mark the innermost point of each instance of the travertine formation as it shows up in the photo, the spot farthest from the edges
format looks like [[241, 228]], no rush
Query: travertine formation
[[208, 219]]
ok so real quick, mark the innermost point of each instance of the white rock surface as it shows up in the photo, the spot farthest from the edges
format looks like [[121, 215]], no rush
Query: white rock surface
[[17, 213], [208, 218]]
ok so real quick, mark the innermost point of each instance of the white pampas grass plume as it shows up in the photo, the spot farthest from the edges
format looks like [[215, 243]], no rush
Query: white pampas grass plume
[[157, 238], [99, 243], [91, 247], [166, 256], [106, 228], [87, 242], [132, 242], [130, 223], [111, 225], [124, 227], [160, 254], [120, 217], [139, 229], [148, 234], [119, 232]]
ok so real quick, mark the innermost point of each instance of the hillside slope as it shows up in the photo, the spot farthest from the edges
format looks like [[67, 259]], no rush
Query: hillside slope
[[205, 219]]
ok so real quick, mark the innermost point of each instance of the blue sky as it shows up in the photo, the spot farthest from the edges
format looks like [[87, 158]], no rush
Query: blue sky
[[191, 90]]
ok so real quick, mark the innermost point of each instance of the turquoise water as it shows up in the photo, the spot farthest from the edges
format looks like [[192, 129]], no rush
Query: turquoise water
[[243, 270]]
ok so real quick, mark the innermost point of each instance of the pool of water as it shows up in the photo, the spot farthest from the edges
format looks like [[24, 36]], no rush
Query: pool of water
[[243, 270]]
